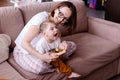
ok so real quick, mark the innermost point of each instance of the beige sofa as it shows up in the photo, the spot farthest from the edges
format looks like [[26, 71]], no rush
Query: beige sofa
[[98, 44]]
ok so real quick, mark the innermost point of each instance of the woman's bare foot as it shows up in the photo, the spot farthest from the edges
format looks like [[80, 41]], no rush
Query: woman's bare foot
[[73, 75]]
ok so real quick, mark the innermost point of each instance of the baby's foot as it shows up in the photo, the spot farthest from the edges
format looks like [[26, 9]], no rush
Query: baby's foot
[[74, 75]]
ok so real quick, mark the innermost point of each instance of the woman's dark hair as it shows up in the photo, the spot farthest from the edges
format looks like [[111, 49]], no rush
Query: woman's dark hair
[[72, 20]]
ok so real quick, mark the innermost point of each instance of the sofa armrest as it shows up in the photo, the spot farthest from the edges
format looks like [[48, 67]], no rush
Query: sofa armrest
[[105, 29]]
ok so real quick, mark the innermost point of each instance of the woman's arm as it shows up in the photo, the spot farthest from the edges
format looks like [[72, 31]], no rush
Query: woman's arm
[[29, 36], [33, 31]]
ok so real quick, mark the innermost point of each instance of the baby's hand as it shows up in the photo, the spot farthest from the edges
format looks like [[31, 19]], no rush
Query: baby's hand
[[58, 51], [61, 52]]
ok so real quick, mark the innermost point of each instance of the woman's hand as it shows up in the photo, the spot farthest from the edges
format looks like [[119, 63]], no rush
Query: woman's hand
[[48, 57]]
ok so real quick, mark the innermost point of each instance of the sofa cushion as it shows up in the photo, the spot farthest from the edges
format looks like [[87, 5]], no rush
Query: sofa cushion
[[92, 53], [11, 22], [7, 72], [5, 41], [30, 10]]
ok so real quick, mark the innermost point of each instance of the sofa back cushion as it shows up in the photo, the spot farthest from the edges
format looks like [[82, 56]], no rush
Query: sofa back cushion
[[30, 10], [11, 22]]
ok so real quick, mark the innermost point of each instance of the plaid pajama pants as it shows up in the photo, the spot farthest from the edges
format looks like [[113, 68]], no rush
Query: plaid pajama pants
[[35, 65]]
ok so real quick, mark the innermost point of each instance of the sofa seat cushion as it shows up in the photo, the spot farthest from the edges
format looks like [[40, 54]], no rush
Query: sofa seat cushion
[[7, 72], [29, 75], [92, 52]]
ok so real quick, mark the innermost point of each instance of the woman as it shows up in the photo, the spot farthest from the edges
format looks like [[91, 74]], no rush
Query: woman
[[25, 54]]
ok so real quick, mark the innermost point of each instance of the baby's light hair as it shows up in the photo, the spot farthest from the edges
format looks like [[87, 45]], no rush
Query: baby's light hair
[[45, 24]]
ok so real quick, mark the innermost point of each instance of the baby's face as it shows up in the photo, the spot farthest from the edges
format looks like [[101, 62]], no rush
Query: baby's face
[[51, 32]]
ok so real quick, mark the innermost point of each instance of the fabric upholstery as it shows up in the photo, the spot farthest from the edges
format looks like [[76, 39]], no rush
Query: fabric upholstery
[[104, 29], [92, 53], [7, 72], [108, 70], [5, 41], [118, 71], [11, 22]]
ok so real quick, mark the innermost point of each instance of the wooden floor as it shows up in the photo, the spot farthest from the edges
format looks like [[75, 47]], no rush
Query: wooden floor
[[4, 3]]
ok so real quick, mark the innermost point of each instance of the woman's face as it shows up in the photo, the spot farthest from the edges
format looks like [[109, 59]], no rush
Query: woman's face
[[62, 15]]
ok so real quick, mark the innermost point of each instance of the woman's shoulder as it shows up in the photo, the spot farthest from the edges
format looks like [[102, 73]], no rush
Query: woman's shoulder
[[43, 13], [41, 16], [38, 18]]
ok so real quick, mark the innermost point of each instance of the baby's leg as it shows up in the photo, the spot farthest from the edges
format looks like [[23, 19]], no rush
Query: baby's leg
[[74, 75], [62, 67]]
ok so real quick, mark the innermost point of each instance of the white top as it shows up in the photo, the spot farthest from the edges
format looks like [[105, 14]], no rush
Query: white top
[[35, 20], [44, 46]]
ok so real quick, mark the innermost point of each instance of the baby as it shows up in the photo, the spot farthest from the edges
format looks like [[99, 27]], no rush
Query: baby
[[49, 41]]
